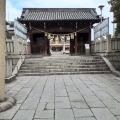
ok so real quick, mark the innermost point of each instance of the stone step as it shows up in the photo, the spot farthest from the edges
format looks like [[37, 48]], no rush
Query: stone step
[[62, 66], [64, 73], [62, 61], [65, 57], [64, 70]]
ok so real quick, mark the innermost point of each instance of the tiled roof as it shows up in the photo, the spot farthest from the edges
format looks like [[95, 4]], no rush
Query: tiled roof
[[53, 14]]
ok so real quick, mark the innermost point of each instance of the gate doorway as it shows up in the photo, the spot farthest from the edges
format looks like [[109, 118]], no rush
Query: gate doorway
[[37, 44]]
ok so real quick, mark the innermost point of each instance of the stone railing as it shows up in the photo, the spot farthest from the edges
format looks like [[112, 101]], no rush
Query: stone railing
[[16, 45], [15, 50], [115, 44], [9, 48], [108, 45], [109, 48]]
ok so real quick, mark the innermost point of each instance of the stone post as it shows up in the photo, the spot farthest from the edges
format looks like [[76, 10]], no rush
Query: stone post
[[5, 102], [101, 43], [108, 43], [95, 47], [64, 47], [16, 45], [2, 48]]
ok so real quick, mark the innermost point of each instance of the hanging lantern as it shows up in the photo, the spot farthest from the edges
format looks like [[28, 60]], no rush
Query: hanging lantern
[[68, 37], [63, 37], [49, 36], [72, 36], [52, 36], [57, 38]]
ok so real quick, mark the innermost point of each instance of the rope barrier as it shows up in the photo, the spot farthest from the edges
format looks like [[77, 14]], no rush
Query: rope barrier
[[59, 34]]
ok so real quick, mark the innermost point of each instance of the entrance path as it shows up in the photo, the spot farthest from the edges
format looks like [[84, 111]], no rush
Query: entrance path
[[64, 97]]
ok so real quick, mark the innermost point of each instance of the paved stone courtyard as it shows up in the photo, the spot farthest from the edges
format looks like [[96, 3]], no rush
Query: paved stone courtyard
[[64, 97]]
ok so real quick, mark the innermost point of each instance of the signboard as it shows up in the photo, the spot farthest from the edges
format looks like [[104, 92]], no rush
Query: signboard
[[87, 46], [20, 30], [101, 29]]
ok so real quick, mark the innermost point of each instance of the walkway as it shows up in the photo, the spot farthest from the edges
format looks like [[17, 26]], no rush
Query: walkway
[[68, 97]]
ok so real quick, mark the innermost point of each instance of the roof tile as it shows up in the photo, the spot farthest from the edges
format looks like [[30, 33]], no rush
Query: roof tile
[[50, 14]]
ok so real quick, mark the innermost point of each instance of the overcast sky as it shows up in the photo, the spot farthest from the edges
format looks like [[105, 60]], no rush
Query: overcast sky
[[14, 7]]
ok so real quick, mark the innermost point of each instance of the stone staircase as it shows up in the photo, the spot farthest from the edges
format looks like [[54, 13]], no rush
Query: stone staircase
[[63, 65]]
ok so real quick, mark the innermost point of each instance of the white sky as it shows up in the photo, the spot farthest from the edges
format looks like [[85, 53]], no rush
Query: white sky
[[14, 7]]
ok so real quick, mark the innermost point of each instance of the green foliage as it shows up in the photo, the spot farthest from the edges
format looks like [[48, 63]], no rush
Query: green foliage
[[117, 31], [115, 8]]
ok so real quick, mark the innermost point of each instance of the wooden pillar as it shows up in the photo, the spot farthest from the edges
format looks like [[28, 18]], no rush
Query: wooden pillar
[[45, 38], [76, 43], [48, 46], [31, 38], [90, 39], [2, 48], [31, 42]]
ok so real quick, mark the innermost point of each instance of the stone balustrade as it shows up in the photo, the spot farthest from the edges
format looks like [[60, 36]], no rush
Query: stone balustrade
[[106, 45], [17, 46], [15, 49]]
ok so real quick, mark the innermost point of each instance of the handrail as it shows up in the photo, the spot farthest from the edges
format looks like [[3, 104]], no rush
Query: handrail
[[20, 61]]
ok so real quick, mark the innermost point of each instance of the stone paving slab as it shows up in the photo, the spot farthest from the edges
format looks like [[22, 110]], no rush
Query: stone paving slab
[[64, 114], [118, 117], [24, 115], [47, 114], [82, 113], [64, 97], [103, 114], [79, 105], [95, 104], [43, 119], [9, 114], [86, 118], [115, 111], [30, 104]]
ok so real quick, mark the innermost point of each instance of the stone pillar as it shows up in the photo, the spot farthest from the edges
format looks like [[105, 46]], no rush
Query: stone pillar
[[101, 48], [16, 45], [2, 48], [64, 47], [76, 43], [108, 43], [95, 47]]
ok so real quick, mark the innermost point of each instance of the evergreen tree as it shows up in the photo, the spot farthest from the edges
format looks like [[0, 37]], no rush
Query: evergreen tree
[[117, 30], [115, 8]]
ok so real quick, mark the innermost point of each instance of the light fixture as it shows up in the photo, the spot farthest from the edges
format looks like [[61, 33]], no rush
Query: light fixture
[[101, 7]]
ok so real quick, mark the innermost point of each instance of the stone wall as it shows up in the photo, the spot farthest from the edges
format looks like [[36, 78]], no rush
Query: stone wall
[[115, 60]]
